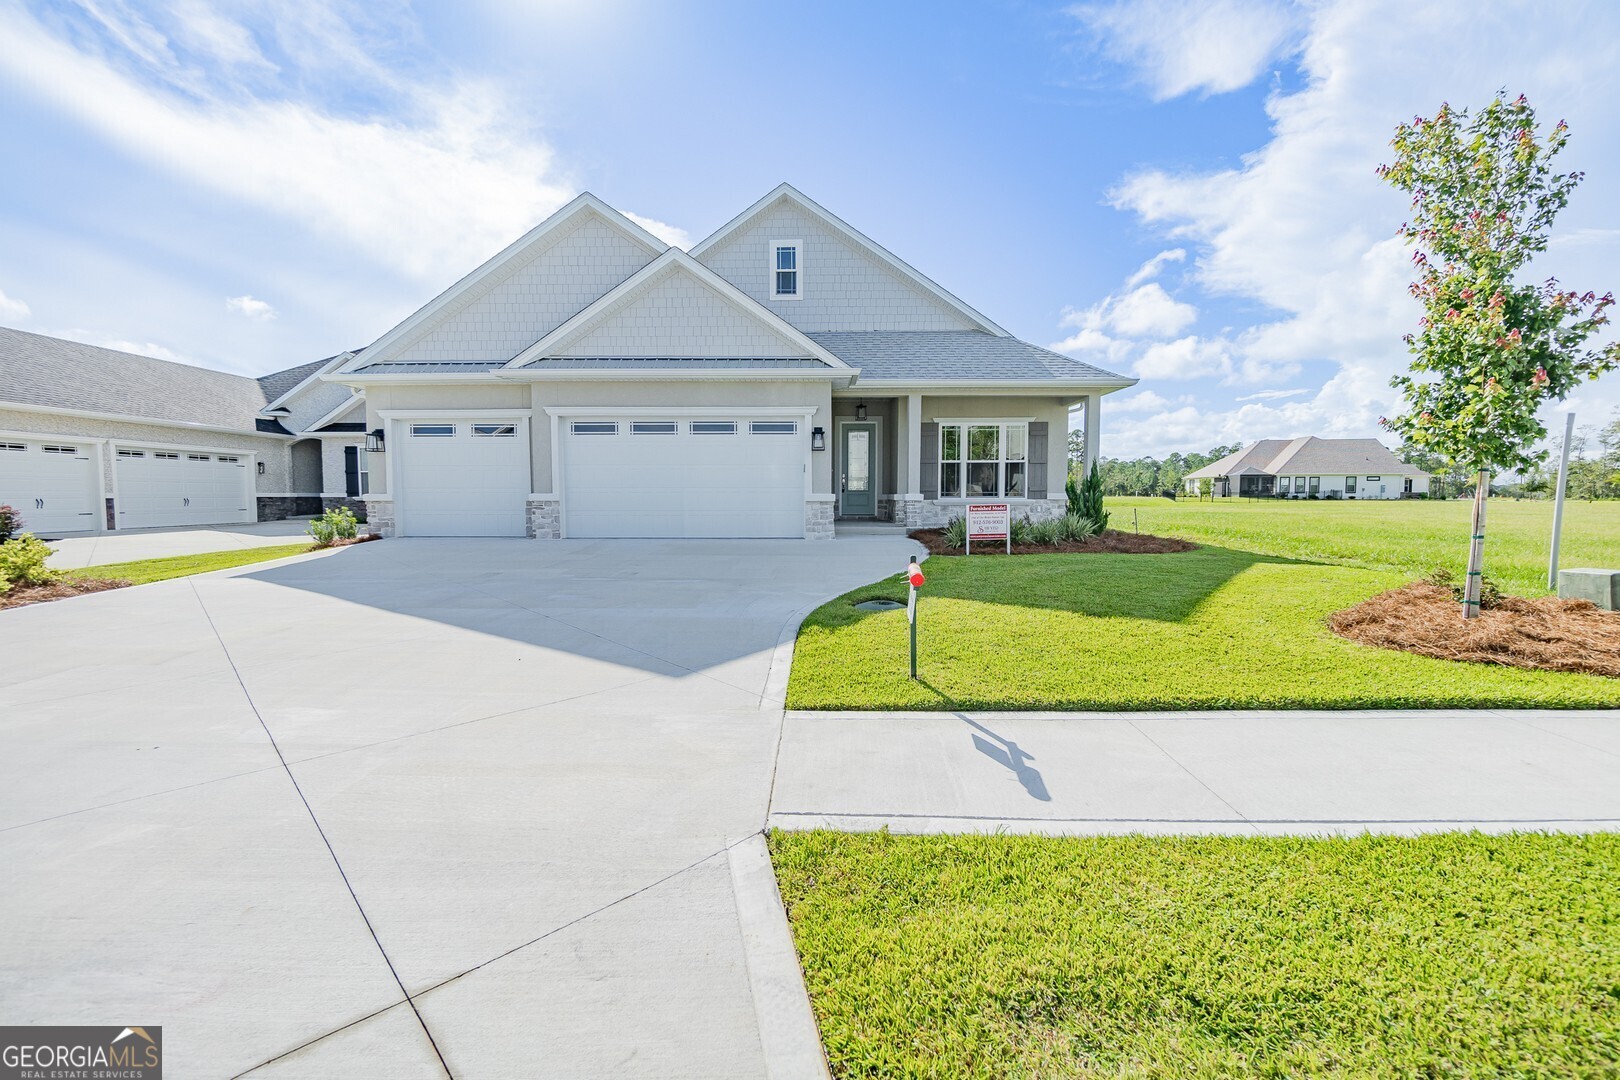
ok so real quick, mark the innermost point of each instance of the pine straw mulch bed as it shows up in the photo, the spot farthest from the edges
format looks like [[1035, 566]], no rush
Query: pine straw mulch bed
[[21, 595], [1546, 634], [1110, 541]]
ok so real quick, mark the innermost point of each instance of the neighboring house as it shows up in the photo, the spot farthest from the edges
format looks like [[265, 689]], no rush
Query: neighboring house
[[592, 381], [94, 439], [1302, 468]]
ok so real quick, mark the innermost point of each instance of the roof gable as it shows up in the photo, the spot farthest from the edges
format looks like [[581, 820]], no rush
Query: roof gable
[[523, 292], [676, 308], [851, 283]]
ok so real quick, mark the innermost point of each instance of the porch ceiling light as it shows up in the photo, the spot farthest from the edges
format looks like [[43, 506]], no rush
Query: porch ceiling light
[[374, 441], [860, 411]]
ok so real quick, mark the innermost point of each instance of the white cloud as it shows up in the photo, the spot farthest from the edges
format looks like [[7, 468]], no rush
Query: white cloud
[[1185, 358], [254, 309], [1154, 266], [1145, 312], [431, 191], [12, 308], [1141, 401], [1273, 395], [669, 234], [1178, 46], [1304, 227]]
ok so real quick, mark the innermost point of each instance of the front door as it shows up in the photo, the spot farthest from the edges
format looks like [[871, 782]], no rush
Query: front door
[[858, 457]]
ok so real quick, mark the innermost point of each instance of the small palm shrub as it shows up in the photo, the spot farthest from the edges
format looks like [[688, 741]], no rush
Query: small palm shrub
[[1021, 530], [1076, 527], [338, 523], [956, 533], [1048, 533], [10, 523], [22, 562]]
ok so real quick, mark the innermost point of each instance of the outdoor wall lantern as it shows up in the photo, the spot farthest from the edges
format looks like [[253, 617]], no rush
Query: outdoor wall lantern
[[374, 442], [818, 439], [860, 411], [261, 468]]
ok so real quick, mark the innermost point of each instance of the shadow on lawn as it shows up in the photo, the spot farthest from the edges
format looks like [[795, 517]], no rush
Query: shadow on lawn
[[1166, 588]]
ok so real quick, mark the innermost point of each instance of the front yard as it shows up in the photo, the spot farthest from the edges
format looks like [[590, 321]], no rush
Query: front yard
[[999, 956], [1214, 628]]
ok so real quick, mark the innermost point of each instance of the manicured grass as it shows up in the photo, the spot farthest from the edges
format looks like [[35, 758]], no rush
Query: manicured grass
[[143, 571], [1212, 628], [1002, 956], [1410, 537]]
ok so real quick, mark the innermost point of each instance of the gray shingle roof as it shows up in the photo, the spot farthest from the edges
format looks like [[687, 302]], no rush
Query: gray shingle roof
[[53, 373], [954, 354], [1310, 455], [429, 367], [279, 382], [702, 362]]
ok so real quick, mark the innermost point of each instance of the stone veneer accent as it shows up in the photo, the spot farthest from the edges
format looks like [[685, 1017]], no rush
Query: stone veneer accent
[[818, 519], [380, 517], [282, 507], [357, 506], [544, 517], [930, 514], [885, 507]]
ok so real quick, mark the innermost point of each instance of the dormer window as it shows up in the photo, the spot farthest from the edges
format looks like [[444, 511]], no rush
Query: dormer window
[[785, 269]]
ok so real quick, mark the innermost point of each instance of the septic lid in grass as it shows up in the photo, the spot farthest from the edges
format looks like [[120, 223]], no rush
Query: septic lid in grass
[[879, 605]]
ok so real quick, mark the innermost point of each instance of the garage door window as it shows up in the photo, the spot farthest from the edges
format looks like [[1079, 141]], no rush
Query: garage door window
[[595, 427], [198, 457], [164, 456], [60, 449], [495, 431], [227, 460], [13, 446], [131, 453], [432, 431], [774, 427], [654, 427], [714, 427]]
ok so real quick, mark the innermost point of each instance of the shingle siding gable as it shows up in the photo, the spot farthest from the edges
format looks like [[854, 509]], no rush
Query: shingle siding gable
[[679, 316], [532, 298], [844, 288]]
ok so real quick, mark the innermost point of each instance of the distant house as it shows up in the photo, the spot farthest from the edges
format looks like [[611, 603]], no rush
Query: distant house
[[1311, 467]]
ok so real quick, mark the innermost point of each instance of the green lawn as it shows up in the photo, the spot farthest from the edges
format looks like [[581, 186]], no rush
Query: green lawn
[[148, 570], [1212, 628], [1410, 537], [1000, 956]]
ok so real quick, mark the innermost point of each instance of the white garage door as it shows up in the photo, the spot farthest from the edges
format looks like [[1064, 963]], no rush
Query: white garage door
[[720, 476], [165, 488], [51, 485], [461, 477]]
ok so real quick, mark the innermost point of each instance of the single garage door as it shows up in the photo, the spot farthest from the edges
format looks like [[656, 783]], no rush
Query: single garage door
[[52, 485], [462, 477], [717, 477], [164, 488]]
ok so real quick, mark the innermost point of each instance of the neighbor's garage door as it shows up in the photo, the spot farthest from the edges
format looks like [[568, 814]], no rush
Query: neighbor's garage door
[[719, 477], [461, 477], [158, 487], [52, 485]]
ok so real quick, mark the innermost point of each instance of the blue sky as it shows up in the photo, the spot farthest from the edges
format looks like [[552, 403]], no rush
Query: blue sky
[[1179, 191]]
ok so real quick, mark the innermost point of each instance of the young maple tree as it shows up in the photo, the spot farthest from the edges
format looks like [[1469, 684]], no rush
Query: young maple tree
[[1489, 350]]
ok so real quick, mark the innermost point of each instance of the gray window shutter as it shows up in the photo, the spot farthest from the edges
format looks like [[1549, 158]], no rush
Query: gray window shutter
[[1037, 459], [929, 481]]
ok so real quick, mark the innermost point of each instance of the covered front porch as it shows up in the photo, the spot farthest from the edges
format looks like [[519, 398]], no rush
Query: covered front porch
[[917, 457]]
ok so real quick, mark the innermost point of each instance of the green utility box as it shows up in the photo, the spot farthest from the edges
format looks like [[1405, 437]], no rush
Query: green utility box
[[1602, 587]]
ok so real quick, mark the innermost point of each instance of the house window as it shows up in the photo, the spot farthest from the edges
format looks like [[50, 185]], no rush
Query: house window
[[714, 427], [1299, 485], [774, 427], [655, 427], [785, 269], [363, 474], [432, 431], [494, 431], [1349, 485], [1374, 479], [1316, 485], [594, 427], [983, 460]]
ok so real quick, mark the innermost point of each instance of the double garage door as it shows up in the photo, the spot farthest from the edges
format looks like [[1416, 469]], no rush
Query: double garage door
[[621, 476], [162, 487]]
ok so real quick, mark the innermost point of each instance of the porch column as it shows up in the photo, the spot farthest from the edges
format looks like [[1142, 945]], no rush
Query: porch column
[[1093, 431], [913, 477]]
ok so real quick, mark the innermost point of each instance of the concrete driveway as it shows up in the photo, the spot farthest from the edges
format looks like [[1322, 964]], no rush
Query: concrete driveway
[[256, 807], [128, 545]]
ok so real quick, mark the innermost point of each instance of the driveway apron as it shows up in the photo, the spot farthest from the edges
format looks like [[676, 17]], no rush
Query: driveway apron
[[413, 808]]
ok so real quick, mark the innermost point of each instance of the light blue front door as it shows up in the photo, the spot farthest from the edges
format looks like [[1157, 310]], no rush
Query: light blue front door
[[858, 470]]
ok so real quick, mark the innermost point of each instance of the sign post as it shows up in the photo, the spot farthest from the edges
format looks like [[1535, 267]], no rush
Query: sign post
[[1558, 501], [914, 576], [989, 521]]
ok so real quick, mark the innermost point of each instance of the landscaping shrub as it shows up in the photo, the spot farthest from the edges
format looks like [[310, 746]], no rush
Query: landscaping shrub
[[10, 523], [956, 533], [22, 562], [338, 523], [1490, 595], [1047, 533], [1086, 498], [1020, 530], [1075, 527]]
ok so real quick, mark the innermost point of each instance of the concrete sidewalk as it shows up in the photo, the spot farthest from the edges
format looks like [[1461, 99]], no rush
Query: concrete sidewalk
[[77, 552], [1215, 772]]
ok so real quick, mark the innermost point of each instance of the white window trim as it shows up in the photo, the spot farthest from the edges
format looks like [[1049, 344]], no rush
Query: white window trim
[[798, 270], [1001, 461]]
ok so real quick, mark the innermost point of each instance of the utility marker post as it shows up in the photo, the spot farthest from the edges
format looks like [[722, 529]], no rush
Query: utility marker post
[[914, 576], [1558, 501]]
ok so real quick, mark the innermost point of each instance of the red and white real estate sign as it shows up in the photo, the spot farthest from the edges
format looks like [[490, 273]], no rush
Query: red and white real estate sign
[[988, 521]]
